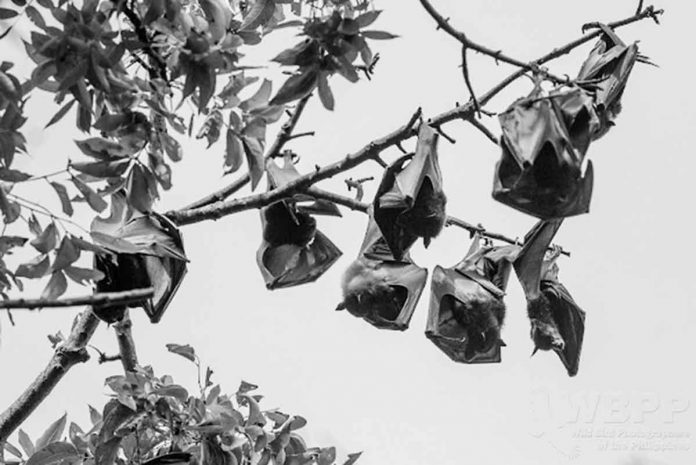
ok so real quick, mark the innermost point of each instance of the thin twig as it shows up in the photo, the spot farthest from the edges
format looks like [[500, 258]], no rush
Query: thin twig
[[467, 81], [283, 136], [486, 132], [444, 24], [101, 299]]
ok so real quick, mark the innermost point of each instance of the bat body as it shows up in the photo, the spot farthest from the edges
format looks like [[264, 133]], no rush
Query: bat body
[[467, 310], [285, 226], [366, 291], [557, 322], [410, 201], [147, 250], [293, 250]]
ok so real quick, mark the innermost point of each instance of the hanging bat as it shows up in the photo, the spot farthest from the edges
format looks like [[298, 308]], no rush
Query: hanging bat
[[467, 310], [557, 322], [542, 170], [410, 202], [380, 289], [293, 251], [146, 250], [605, 72]]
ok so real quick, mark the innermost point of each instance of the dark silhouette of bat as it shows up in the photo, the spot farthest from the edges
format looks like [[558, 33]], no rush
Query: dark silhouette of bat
[[467, 309], [557, 322], [293, 251], [410, 202]]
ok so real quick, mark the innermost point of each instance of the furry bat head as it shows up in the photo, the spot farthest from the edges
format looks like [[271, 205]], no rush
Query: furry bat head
[[607, 69], [410, 202], [545, 138], [466, 306], [557, 322], [293, 251], [380, 289], [148, 251]]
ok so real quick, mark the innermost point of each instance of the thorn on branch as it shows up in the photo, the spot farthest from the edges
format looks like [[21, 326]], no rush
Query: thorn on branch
[[301, 134], [381, 162], [401, 148], [639, 10], [357, 184], [440, 131]]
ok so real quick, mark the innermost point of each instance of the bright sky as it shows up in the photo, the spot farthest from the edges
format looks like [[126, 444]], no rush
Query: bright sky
[[395, 395]]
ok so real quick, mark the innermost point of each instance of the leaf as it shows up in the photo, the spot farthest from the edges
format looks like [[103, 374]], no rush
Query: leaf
[[34, 269], [259, 14], [245, 387], [185, 351], [253, 149], [60, 113], [67, 254], [103, 169], [102, 149], [53, 433], [54, 453], [141, 191], [234, 152], [64, 198], [93, 199], [325, 94], [56, 286], [297, 86], [83, 276], [6, 13], [47, 240], [12, 450], [327, 456], [35, 17], [211, 128], [10, 210], [25, 442], [94, 415], [352, 458], [378, 35], [10, 242], [172, 147], [368, 18], [10, 175], [260, 98], [172, 390]]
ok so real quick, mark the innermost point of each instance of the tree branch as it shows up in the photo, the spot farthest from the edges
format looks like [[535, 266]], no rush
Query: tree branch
[[451, 220], [126, 343], [372, 150], [284, 135], [220, 209], [496, 54], [68, 354], [101, 299]]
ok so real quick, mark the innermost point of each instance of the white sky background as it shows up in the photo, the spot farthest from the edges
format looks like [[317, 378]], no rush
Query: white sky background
[[395, 395]]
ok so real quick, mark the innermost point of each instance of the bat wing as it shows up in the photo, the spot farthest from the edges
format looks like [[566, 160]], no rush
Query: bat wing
[[444, 327], [291, 265], [529, 261], [570, 321]]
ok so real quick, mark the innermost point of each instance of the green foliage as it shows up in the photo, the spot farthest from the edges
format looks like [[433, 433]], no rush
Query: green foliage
[[151, 419]]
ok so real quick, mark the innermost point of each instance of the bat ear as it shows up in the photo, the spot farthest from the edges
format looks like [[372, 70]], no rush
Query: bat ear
[[529, 261]]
